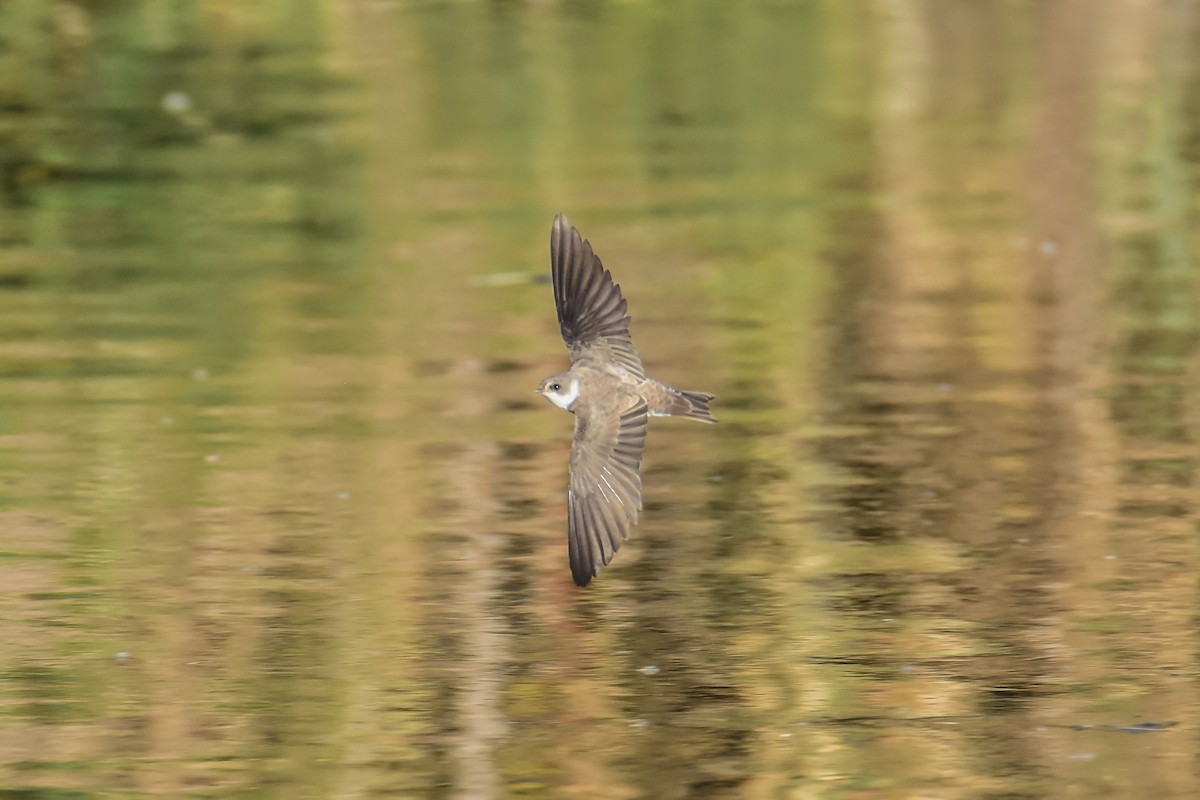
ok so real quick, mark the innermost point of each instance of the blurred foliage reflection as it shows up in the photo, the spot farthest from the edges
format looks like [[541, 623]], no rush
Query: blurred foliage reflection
[[280, 516]]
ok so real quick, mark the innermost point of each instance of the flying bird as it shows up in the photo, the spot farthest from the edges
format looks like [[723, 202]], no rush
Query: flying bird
[[611, 396]]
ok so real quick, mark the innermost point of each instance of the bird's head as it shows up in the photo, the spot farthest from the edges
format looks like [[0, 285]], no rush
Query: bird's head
[[562, 390]]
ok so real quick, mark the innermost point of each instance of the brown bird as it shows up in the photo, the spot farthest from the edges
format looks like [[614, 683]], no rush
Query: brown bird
[[610, 395]]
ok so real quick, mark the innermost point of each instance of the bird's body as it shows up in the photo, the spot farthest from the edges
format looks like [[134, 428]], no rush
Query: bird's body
[[611, 396], [606, 388]]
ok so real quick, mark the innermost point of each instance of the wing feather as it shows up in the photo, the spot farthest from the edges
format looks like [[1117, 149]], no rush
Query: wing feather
[[592, 314], [605, 493]]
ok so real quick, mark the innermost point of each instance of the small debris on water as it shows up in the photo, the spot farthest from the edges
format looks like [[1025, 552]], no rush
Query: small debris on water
[[177, 102]]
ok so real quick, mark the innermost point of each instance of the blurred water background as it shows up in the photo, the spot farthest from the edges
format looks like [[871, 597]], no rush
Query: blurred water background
[[281, 517]]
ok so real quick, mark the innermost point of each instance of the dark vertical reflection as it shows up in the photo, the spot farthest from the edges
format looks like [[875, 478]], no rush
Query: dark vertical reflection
[[956, 464], [170, 208], [1152, 398], [967, 381]]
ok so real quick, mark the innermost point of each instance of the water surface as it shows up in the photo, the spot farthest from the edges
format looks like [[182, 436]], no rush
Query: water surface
[[280, 514]]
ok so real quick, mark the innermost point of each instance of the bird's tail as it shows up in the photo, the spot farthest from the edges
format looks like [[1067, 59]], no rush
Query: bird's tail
[[693, 405]]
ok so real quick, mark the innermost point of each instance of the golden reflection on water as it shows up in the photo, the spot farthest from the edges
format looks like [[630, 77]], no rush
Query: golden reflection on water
[[281, 515]]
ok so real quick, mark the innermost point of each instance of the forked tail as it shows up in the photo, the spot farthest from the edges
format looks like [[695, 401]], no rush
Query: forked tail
[[693, 405]]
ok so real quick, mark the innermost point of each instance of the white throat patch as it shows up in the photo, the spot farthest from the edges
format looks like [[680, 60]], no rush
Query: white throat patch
[[565, 399]]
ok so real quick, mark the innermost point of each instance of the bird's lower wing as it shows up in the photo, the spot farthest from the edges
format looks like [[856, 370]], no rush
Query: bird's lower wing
[[605, 493]]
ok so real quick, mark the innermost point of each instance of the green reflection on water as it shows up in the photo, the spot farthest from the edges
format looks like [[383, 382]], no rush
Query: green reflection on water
[[279, 514]]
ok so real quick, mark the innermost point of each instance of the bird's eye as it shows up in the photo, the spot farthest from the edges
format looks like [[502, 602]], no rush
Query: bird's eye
[[554, 387]]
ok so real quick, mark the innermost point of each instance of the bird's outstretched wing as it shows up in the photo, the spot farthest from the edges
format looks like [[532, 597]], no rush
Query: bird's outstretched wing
[[605, 494], [592, 314]]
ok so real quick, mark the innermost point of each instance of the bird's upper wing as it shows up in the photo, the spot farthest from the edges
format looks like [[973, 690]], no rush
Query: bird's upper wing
[[605, 493], [591, 312]]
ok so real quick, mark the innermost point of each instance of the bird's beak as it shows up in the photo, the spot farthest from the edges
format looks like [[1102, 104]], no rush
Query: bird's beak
[[537, 390]]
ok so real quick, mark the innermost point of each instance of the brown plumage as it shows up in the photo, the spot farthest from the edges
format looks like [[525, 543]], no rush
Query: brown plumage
[[609, 393]]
